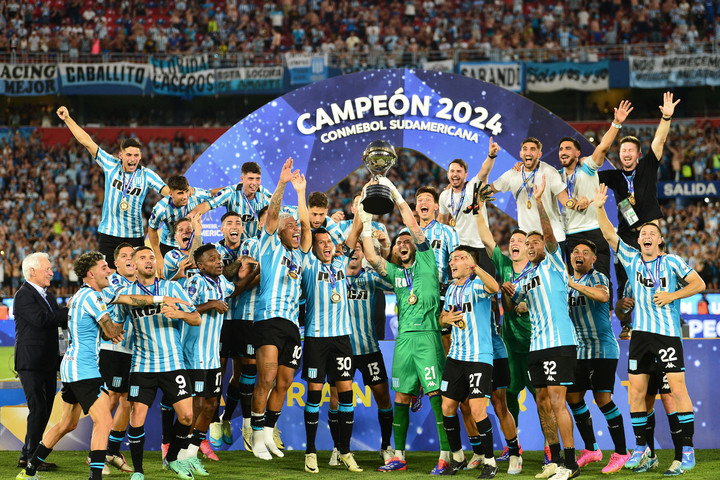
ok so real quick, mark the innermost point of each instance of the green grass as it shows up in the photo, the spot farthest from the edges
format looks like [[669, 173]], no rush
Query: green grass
[[241, 464], [6, 359]]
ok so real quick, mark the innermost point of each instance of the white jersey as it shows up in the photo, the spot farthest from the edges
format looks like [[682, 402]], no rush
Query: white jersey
[[521, 185], [582, 182], [454, 204]]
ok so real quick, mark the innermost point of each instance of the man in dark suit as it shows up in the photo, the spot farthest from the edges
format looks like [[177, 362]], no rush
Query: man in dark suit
[[37, 318]]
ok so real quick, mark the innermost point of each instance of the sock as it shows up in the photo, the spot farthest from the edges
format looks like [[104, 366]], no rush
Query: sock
[[476, 444], [245, 390], [513, 405], [676, 434], [451, 423], [312, 416], [513, 446], [271, 418], [687, 428], [385, 418], [583, 420], [486, 437], [346, 419], [97, 462], [136, 438], [555, 454], [232, 397], [197, 438], [650, 432], [257, 421], [333, 424], [639, 421], [114, 440], [570, 460], [216, 413], [40, 455], [401, 422], [178, 442], [615, 426], [436, 404], [167, 418]]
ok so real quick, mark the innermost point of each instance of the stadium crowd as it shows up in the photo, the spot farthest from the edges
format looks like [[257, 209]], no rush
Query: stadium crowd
[[261, 31]]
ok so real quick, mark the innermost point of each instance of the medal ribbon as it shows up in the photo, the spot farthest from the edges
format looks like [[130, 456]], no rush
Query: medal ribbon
[[456, 211], [630, 180], [429, 225], [408, 279], [331, 273], [655, 278], [526, 180], [522, 274], [293, 266], [580, 282], [147, 291], [126, 188], [217, 285], [459, 293], [351, 284], [249, 204], [570, 182]]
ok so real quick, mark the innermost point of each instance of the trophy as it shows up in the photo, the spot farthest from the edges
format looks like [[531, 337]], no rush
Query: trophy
[[378, 157]]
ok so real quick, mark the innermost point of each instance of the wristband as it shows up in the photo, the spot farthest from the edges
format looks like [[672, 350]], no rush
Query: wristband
[[492, 156], [616, 125], [158, 299], [666, 117]]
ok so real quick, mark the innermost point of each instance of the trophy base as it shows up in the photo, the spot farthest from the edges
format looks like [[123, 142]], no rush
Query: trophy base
[[378, 200]]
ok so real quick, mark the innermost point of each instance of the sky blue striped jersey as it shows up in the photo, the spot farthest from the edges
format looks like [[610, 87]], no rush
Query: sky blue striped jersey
[[279, 293], [667, 271], [156, 338], [201, 344], [362, 292], [443, 240], [171, 266], [595, 336], [233, 199], [249, 300], [228, 256], [323, 318], [474, 342], [116, 283], [545, 290], [81, 358], [499, 348], [128, 223], [334, 229], [165, 214]]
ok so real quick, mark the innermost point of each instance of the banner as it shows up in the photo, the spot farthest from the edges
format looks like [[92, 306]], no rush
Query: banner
[[187, 75], [669, 71], [504, 74], [703, 326], [439, 65], [305, 69], [551, 77], [28, 79], [82, 76], [242, 79], [688, 189]]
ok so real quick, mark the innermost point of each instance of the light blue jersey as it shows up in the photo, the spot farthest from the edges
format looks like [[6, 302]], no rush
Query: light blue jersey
[[249, 300], [362, 291], [280, 277], [81, 358], [228, 256], [116, 283], [595, 336], [474, 342], [323, 317], [156, 338], [201, 343], [165, 214], [499, 349], [234, 200], [662, 274], [545, 290], [333, 228], [124, 187], [171, 266], [443, 240]]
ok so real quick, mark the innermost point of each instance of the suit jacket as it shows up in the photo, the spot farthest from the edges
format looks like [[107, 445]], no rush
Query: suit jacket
[[36, 329]]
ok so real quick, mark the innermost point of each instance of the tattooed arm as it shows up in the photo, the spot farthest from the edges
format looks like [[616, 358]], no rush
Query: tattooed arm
[[273, 214], [110, 330], [547, 230]]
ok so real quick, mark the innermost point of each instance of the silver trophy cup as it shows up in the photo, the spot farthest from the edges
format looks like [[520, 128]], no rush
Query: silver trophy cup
[[378, 157]]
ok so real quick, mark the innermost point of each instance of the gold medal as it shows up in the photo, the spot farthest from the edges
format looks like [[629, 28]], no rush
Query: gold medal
[[376, 233], [529, 205], [293, 274], [124, 205], [570, 203], [412, 299], [631, 199], [334, 297], [460, 324], [451, 222]]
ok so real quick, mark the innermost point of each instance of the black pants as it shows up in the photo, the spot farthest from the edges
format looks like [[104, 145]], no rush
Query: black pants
[[40, 388], [602, 264], [108, 243]]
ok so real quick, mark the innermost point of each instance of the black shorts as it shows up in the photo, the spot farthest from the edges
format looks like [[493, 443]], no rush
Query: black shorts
[[206, 383], [327, 356], [658, 383], [596, 374], [282, 333], [236, 339], [115, 369], [463, 380], [85, 392], [372, 368], [108, 243], [501, 374], [651, 351], [175, 386], [552, 366]]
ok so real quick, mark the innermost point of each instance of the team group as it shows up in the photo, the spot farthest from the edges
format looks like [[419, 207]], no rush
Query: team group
[[173, 313]]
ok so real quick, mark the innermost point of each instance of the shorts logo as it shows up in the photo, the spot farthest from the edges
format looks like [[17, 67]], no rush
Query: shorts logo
[[670, 365], [312, 372], [182, 392], [632, 365], [134, 391], [431, 384], [199, 386], [550, 378], [375, 378], [443, 385], [345, 374], [250, 350], [395, 382], [117, 381], [476, 391]]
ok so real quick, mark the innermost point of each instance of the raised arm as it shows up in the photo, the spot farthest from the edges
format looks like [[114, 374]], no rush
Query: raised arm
[[299, 183], [607, 228], [154, 240], [490, 284], [547, 230], [79, 134], [667, 109], [484, 232], [408, 218], [489, 162], [621, 113], [273, 214], [376, 261]]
